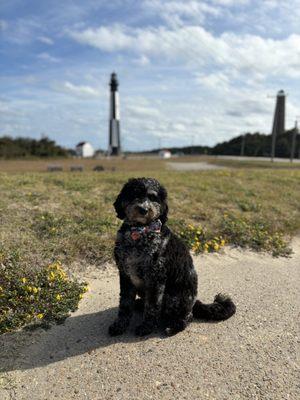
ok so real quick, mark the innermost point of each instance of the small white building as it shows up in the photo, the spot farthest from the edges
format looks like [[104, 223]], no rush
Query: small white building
[[85, 149], [165, 154]]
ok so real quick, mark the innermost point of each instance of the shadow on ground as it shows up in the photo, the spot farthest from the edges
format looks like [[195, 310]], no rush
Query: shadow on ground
[[78, 335]]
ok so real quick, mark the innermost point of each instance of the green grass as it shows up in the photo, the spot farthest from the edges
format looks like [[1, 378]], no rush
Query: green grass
[[69, 218]]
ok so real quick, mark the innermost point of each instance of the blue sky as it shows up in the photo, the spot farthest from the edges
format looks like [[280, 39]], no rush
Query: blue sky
[[190, 72]]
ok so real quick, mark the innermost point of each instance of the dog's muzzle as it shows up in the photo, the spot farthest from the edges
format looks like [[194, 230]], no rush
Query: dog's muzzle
[[142, 210]]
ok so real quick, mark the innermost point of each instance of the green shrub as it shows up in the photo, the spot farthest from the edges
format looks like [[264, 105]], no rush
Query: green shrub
[[256, 234], [30, 297], [198, 239]]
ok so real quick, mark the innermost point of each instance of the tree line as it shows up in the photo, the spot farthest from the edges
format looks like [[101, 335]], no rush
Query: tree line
[[30, 148], [250, 144], [259, 145]]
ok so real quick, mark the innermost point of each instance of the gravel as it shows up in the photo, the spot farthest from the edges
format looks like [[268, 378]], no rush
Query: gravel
[[253, 355]]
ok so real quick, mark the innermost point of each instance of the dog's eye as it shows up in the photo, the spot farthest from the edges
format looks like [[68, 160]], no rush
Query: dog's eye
[[152, 196]]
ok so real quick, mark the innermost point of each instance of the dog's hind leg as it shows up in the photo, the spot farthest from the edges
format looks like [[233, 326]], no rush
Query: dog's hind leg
[[177, 313], [127, 299]]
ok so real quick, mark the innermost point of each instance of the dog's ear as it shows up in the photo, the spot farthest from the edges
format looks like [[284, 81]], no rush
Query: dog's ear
[[118, 204], [123, 196], [164, 215], [164, 205]]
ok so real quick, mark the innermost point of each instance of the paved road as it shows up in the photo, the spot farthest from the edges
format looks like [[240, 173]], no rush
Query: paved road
[[243, 158], [250, 356], [192, 166]]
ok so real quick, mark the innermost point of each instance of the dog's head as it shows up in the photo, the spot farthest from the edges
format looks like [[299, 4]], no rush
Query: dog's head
[[142, 200]]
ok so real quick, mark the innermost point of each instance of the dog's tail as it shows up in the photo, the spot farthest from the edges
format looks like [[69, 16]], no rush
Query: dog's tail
[[222, 308]]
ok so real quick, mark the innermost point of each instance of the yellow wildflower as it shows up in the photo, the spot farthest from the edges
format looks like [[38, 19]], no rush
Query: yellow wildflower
[[55, 265], [86, 288], [35, 290], [24, 280], [51, 276], [40, 316], [222, 242], [81, 296], [62, 274], [58, 297], [216, 247]]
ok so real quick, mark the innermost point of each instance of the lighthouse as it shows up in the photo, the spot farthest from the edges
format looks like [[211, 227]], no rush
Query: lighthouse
[[278, 120], [114, 147]]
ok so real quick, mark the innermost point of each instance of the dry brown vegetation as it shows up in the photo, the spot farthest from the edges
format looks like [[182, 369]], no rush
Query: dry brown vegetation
[[67, 218]]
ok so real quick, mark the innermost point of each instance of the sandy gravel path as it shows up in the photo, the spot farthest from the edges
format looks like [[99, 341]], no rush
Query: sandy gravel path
[[251, 356]]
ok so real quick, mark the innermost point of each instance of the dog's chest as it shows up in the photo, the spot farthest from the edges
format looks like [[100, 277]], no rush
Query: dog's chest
[[138, 258], [134, 265]]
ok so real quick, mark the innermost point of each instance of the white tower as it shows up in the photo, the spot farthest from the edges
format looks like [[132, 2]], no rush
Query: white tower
[[114, 148]]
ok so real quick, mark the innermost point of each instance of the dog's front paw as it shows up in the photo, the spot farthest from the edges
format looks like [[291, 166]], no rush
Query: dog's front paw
[[175, 327], [144, 329], [139, 305], [117, 328]]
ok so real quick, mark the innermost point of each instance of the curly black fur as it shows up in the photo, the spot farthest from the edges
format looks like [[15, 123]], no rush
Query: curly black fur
[[156, 266]]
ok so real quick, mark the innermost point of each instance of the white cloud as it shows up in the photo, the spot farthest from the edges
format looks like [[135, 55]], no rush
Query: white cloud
[[46, 40], [76, 90], [175, 12], [48, 57], [142, 61], [141, 111], [105, 38], [230, 2], [215, 81], [193, 45]]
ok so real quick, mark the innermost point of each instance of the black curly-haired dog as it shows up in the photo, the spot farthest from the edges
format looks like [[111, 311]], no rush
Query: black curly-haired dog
[[155, 265]]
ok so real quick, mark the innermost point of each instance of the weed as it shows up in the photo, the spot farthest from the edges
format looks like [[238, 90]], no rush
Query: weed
[[197, 238], [256, 234], [28, 298]]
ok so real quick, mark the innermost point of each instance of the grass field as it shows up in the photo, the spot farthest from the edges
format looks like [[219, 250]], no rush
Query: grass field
[[68, 218]]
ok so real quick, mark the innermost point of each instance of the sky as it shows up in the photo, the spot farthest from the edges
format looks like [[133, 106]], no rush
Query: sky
[[190, 72]]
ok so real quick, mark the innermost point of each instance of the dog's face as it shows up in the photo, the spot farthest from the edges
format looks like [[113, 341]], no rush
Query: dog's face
[[142, 200]]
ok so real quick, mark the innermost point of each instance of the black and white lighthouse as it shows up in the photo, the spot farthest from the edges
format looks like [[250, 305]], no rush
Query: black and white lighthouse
[[114, 148]]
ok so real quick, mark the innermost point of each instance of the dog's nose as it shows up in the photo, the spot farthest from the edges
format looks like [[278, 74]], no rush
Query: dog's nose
[[142, 210]]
